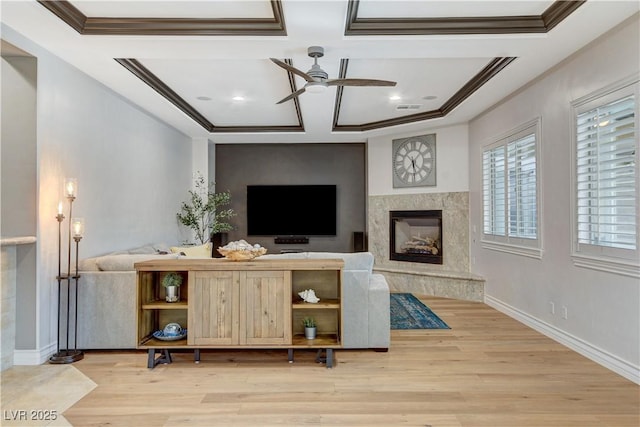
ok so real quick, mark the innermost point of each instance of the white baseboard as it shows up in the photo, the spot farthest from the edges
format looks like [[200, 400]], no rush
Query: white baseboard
[[33, 357], [608, 360]]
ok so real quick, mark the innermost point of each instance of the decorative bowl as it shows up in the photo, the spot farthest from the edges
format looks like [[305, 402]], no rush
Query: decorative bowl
[[242, 254], [161, 336], [172, 329]]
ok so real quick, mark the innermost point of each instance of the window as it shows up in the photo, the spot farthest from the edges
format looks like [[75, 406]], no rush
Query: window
[[510, 192], [606, 176]]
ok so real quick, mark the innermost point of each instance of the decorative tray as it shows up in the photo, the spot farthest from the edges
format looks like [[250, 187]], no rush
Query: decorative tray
[[161, 336], [242, 254]]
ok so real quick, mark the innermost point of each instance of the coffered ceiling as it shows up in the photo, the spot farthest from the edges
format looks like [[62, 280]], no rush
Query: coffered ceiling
[[204, 66]]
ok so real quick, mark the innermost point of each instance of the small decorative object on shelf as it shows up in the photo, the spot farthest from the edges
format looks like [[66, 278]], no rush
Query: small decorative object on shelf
[[171, 282], [171, 332], [76, 229], [309, 295], [309, 328], [241, 250]]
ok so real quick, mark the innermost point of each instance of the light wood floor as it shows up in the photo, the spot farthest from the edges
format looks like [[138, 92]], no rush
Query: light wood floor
[[488, 370]]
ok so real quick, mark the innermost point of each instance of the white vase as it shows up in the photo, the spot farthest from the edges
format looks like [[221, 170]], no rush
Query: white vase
[[310, 333]]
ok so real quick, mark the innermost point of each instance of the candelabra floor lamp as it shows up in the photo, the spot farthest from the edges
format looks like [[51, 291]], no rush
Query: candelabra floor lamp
[[76, 225]]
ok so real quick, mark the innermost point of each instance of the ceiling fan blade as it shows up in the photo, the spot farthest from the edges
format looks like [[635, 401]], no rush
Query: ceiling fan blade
[[359, 82], [294, 70], [293, 95]]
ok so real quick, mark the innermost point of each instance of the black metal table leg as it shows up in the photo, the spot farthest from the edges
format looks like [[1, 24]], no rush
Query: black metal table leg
[[152, 361], [290, 355], [151, 356], [196, 355], [327, 358]]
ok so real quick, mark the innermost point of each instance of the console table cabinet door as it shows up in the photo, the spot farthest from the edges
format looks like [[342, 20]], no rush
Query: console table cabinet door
[[214, 308], [266, 306]]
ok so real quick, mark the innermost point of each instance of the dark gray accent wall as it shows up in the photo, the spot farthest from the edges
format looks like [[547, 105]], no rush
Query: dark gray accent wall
[[343, 165]]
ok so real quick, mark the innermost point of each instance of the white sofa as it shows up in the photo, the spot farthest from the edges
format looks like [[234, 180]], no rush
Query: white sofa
[[107, 304]]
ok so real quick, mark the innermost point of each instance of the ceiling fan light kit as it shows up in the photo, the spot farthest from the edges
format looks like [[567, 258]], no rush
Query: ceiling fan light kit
[[316, 87], [318, 79]]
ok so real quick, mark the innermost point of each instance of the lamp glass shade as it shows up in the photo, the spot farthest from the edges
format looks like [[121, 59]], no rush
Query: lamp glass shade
[[315, 87], [70, 187], [77, 227]]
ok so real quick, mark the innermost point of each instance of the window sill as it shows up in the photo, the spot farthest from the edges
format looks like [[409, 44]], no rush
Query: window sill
[[510, 248], [622, 267]]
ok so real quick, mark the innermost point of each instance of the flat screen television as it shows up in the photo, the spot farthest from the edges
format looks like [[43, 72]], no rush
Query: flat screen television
[[291, 210]]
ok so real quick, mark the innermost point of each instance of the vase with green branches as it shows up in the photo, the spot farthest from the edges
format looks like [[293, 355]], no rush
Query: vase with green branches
[[206, 212]]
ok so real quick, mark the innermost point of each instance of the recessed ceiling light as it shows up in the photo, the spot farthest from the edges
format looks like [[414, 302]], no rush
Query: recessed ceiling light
[[238, 98], [429, 97], [204, 98], [395, 98]]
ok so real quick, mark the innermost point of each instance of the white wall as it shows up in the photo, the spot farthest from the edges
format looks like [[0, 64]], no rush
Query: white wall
[[451, 162], [18, 146], [133, 171], [19, 182], [603, 308]]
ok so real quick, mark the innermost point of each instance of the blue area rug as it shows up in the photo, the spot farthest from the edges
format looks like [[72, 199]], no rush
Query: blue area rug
[[408, 312]]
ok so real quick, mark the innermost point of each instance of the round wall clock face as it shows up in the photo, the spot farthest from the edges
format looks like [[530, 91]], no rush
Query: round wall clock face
[[414, 162]]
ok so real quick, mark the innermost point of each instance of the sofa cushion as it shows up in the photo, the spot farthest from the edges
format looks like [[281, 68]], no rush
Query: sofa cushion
[[88, 264], [202, 251], [152, 248], [126, 262], [362, 261]]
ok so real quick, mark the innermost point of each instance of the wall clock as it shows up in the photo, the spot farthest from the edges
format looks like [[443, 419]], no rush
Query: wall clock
[[414, 161]]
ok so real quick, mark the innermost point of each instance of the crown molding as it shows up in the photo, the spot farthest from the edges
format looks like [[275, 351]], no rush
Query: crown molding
[[552, 16], [86, 25], [144, 74], [476, 82]]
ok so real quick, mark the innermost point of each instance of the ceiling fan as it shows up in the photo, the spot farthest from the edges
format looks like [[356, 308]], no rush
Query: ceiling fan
[[317, 78]]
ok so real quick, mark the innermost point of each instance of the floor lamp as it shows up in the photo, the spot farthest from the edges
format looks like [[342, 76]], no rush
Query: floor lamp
[[76, 229]]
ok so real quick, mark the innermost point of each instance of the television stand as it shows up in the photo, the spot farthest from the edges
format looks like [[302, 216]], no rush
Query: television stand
[[295, 240]]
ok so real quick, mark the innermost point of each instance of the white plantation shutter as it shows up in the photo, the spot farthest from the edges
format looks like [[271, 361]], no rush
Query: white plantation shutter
[[523, 212], [494, 191], [606, 181], [510, 191]]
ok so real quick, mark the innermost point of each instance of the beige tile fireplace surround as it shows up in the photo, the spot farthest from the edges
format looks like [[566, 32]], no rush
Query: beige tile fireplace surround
[[452, 279]]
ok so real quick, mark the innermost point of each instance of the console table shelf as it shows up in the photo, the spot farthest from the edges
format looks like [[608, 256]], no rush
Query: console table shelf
[[323, 304], [320, 341], [240, 304], [163, 305], [150, 342]]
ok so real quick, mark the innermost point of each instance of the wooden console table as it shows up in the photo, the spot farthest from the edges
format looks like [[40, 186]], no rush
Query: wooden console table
[[240, 304]]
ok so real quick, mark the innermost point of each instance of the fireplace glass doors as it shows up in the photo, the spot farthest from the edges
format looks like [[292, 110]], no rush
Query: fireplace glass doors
[[416, 236]]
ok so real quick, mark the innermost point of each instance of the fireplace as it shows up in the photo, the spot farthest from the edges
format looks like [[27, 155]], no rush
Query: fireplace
[[416, 236]]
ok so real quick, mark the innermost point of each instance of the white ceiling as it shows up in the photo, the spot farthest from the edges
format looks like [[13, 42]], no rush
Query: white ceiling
[[221, 67]]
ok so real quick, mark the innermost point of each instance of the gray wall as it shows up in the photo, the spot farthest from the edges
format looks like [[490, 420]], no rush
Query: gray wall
[[239, 165], [19, 182], [603, 307]]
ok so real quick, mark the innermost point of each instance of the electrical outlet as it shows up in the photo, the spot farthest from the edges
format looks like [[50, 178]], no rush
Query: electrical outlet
[[552, 307], [565, 312]]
